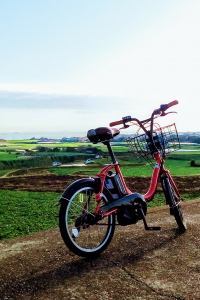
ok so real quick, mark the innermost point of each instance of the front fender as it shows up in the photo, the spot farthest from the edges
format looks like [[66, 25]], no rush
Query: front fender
[[95, 180]]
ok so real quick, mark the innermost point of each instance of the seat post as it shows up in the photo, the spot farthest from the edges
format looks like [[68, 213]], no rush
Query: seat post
[[112, 155]]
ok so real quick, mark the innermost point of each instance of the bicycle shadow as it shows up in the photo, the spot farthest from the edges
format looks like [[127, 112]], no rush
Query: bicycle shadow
[[121, 253]]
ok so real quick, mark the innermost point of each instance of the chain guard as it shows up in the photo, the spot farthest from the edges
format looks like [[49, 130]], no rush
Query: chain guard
[[130, 214]]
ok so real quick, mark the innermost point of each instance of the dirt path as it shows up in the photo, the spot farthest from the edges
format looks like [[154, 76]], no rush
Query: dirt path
[[137, 264]]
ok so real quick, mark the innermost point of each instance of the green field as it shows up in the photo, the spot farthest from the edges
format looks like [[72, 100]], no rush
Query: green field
[[28, 145], [22, 212], [178, 164], [3, 172], [9, 156], [190, 146], [26, 212]]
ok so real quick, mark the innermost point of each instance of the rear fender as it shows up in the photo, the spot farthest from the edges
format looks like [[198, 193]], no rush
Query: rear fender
[[96, 181]]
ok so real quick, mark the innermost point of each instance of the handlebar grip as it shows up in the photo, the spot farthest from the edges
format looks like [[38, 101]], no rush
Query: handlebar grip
[[164, 107], [172, 103], [116, 123]]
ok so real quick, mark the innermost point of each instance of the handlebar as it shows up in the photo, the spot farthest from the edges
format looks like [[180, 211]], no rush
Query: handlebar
[[160, 111], [166, 106], [116, 123]]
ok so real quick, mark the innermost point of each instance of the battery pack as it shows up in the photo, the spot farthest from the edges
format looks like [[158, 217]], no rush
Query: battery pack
[[114, 184]]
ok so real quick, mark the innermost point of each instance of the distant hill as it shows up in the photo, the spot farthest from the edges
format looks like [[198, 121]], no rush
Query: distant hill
[[184, 137], [189, 137]]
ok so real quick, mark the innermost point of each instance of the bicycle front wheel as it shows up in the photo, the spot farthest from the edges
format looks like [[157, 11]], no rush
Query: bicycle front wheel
[[80, 232], [173, 201]]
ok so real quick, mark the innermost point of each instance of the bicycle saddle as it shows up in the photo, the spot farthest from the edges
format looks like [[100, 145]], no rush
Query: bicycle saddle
[[102, 134]]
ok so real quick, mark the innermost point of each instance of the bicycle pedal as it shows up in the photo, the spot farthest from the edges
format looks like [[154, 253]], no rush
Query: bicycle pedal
[[152, 228], [145, 222]]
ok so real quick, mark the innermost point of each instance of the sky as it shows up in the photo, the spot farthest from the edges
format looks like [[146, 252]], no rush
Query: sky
[[67, 66]]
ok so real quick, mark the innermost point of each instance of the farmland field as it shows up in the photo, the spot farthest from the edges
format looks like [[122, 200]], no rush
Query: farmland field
[[26, 212], [178, 165], [28, 194], [177, 162], [28, 205], [6, 156]]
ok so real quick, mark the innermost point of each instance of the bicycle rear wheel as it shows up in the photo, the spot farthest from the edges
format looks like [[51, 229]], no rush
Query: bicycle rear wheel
[[173, 200], [82, 235]]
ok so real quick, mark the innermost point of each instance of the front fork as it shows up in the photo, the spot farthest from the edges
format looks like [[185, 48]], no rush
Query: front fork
[[172, 196]]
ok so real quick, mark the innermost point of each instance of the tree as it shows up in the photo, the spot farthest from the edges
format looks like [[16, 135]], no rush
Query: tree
[[41, 149], [56, 149]]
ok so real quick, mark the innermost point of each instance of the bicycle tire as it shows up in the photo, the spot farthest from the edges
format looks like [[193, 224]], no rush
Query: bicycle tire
[[173, 201], [85, 240]]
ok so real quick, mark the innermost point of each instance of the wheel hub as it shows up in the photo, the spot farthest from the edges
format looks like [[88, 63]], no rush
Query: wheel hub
[[84, 221]]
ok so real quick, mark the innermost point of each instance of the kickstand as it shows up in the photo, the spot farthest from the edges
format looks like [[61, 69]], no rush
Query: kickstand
[[145, 222]]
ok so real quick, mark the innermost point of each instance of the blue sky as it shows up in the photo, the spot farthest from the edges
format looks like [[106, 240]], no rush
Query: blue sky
[[68, 66]]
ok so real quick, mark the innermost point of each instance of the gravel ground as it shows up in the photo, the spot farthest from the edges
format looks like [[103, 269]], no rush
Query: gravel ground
[[137, 264]]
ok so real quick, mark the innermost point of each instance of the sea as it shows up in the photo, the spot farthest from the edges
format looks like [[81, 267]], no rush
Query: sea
[[30, 135]]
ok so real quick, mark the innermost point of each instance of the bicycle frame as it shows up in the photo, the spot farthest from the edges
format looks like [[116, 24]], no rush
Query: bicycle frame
[[158, 171]]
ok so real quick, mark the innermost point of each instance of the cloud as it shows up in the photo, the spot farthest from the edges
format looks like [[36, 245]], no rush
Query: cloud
[[35, 112], [40, 101], [20, 100]]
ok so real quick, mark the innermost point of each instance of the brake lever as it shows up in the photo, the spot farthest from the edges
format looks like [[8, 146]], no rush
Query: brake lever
[[124, 127], [170, 112], [127, 126]]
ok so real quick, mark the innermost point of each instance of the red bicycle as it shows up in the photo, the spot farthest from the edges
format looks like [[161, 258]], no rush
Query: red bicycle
[[89, 206]]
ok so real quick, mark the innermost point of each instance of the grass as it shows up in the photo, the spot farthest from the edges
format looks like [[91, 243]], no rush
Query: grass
[[190, 146], [20, 141], [187, 155], [5, 156], [181, 168], [177, 167], [61, 153], [119, 146], [178, 163], [3, 172], [22, 212], [30, 146], [159, 199]]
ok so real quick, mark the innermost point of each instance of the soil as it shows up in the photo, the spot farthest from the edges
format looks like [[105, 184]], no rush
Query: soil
[[138, 264], [55, 183]]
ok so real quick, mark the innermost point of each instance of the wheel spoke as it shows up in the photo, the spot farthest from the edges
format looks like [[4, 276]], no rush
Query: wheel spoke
[[79, 207], [89, 237]]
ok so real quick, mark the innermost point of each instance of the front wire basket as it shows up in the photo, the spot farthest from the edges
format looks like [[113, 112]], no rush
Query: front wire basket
[[165, 138]]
